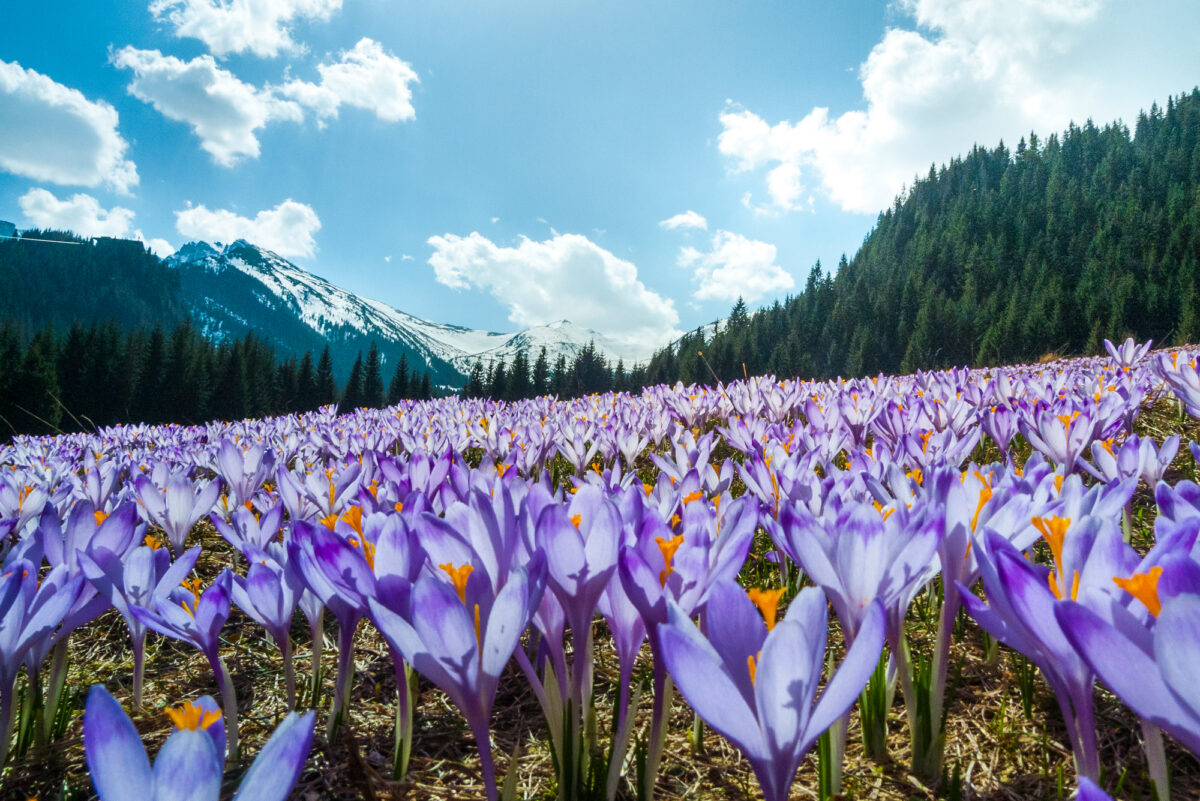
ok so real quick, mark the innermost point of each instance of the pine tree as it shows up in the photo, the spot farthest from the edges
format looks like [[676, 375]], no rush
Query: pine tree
[[373, 380], [326, 390], [520, 384], [38, 382], [352, 395], [541, 374], [398, 389], [306, 385], [475, 387], [426, 390]]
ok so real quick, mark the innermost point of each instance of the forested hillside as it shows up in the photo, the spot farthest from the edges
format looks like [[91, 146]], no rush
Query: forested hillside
[[1000, 256], [70, 279]]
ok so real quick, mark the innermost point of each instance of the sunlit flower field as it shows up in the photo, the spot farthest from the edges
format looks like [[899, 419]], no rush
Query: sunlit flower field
[[966, 584]]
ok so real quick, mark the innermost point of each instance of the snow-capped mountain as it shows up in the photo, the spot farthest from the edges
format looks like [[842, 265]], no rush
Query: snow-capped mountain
[[242, 287]]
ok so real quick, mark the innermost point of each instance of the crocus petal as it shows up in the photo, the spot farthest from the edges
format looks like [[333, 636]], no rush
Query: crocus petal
[[187, 768], [851, 676], [1128, 671], [280, 762], [736, 631], [1177, 649], [116, 757], [705, 683], [1090, 791]]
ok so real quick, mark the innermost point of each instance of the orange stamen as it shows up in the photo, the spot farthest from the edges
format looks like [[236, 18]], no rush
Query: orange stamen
[[1144, 587], [192, 717], [459, 576], [668, 549], [767, 602]]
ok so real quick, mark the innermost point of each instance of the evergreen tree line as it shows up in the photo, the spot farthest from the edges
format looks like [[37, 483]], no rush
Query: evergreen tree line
[[589, 372], [101, 374], [1001, 256]]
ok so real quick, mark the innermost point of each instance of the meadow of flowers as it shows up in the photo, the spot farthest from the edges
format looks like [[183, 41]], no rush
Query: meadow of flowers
[[597, 594]]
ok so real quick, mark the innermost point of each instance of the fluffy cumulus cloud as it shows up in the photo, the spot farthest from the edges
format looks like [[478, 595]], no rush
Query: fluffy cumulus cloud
[[226, 113], [686, 219], [83, 215], [566, 276], [286, 229], [735, 267], [961, 72], [221, 109], [50, 132], [262, 27], [366, 77]]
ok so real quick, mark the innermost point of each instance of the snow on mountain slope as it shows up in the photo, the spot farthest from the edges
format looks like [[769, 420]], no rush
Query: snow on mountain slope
[[330, 311]]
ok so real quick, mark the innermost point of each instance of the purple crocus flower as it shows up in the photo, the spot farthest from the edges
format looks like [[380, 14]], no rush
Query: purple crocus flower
[[177, 507], [1060, 433], [190, 765], [580, 542], [1151, 669], [1129, 353], [143, 578], [755, 681], [196, 617], [268, 596], [244, 469], [460, 636], [30, 612], [1021, 610]]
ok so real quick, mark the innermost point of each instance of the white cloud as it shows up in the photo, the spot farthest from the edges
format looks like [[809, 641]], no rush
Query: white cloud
[[226, 112], [234, 26], [965, 73], [79, 213], [365, 77], [49, 132], [566, 276], [159, 247], [687, 219], [286, 229], [222, 110], [735, 267], [495, 219], [83, 215]]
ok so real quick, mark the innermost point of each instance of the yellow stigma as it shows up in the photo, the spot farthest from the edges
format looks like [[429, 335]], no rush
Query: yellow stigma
[[353, 518], [985, 495], [192, 717], [368, 549], [1054, 588], [1144, 587], [647, 488], [692, 496], [501, 469], [767, 602], [399, 506], [330, 521], [576, 519], [459, 576], [154, 543], [752, 663], [192, 586], [1066, 420], [100, 516], [915, 475], [1054, 530], [668, 549]]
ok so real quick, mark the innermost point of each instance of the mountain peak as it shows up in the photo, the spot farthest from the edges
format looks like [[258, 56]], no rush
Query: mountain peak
[[260, 290]]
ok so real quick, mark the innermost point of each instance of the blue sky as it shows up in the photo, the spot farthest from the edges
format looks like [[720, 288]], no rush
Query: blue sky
[[631, 166]]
